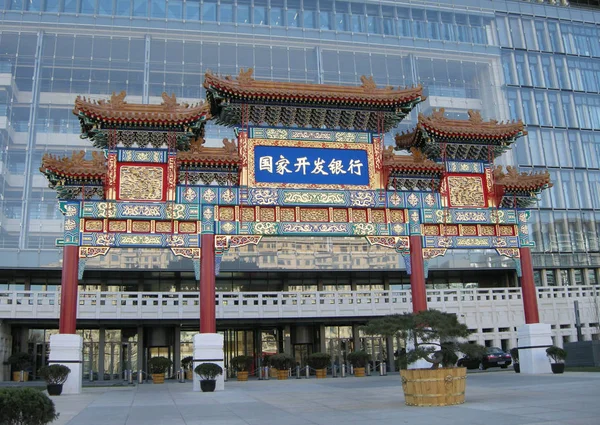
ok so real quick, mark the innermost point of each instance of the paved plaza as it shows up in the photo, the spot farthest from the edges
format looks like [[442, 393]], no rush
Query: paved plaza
[[493, 398]]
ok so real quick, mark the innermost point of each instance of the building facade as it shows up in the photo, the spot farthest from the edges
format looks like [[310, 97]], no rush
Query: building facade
[[508, 60]]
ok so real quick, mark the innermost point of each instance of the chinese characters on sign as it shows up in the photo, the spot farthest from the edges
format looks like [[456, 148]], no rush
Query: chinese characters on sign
[[276, 164]]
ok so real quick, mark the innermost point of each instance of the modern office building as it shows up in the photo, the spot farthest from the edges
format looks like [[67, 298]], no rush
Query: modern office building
[[539, 62]]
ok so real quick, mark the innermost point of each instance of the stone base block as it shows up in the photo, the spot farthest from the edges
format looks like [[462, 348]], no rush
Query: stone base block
[[208, 348], [532, 343], [67, 349]]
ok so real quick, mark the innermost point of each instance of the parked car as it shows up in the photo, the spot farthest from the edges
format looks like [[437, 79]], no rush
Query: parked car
[[494, 357]]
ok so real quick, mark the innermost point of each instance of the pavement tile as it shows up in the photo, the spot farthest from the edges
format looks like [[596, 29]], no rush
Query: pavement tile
[[492, 399]]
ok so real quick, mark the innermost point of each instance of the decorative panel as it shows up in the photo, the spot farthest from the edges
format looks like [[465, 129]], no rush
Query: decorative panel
[[449, 230], [397, 216], [506, 230], [226, 213], [141, 182], [487, 230], [378, 216], [163, 227], [431, 230], [340, 216], [187, 227], [140, 227], [248, 214], [314, 214], [466, 230], [466, 191], [94, 225], [117, 226], [267, 214], [287, 214], [359, 216]]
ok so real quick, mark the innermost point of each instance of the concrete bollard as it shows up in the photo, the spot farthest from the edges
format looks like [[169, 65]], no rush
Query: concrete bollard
[[307, 372], [140, 376], [368, 369], [343, 370]]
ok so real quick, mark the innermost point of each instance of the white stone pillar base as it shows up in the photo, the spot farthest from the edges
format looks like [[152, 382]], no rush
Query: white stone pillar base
[[67, 349], [208, 348], [533, 340], [420, 363]]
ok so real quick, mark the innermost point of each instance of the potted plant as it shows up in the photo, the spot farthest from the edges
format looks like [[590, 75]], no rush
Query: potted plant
[[433, 335], [282, 362], [319, 362], [514, 353], [55, 376], [557, 356], [158, 367], [242, 364], [359, 360], [24, 405], [186, 364], [208, 372], [19, 362]]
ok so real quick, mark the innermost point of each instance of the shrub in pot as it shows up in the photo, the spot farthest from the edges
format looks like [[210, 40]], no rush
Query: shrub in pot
[[242, 364], [434, 336], [186, 364], [282, 362], [158, 367], [514, 353], [25, 406], [19, 362], [557, 358], [319, 362], [358, 360], [55, 376], [208, 373]]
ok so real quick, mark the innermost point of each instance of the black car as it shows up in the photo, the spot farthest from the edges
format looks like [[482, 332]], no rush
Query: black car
[[494, 357]]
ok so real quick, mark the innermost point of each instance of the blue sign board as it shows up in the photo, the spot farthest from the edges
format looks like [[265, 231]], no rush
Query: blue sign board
[[282, 164]]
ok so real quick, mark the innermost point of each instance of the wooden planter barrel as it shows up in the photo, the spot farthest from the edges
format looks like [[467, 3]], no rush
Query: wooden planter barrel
[[16, 376], [359, 372], [158, 378], [282, 374], [434, 387], [242, 375], [321, 373]]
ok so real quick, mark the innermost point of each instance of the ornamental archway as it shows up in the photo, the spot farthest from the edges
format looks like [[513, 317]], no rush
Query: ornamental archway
[[309, 160]]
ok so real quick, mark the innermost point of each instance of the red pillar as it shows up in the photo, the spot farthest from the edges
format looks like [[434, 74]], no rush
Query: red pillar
[[68, 296], [208, 319], [417, 275], [528, 288]]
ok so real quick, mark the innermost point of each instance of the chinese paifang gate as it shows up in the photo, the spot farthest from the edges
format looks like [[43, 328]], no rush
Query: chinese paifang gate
[[309, 160]]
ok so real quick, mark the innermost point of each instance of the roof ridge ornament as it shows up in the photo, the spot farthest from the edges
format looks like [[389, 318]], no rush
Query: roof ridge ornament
[[368, 84], [170, 102], [245, 77], [117, 100]]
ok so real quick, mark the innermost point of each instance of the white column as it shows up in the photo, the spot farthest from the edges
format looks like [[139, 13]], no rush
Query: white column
[[67, 349], [533, 341], [208, 348]]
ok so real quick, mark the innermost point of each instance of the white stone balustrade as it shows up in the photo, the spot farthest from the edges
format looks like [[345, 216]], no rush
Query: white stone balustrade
[[479, 308]]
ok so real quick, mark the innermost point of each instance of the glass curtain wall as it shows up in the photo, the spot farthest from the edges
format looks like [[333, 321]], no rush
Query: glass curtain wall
[[545, 71]]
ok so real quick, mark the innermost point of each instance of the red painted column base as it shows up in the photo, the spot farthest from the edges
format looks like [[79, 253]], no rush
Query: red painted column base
[[528, 291], [417, 275], [208, 319], [68, 296]]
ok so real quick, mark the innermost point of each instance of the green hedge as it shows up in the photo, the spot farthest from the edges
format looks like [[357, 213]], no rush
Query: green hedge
[[25, 406]]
